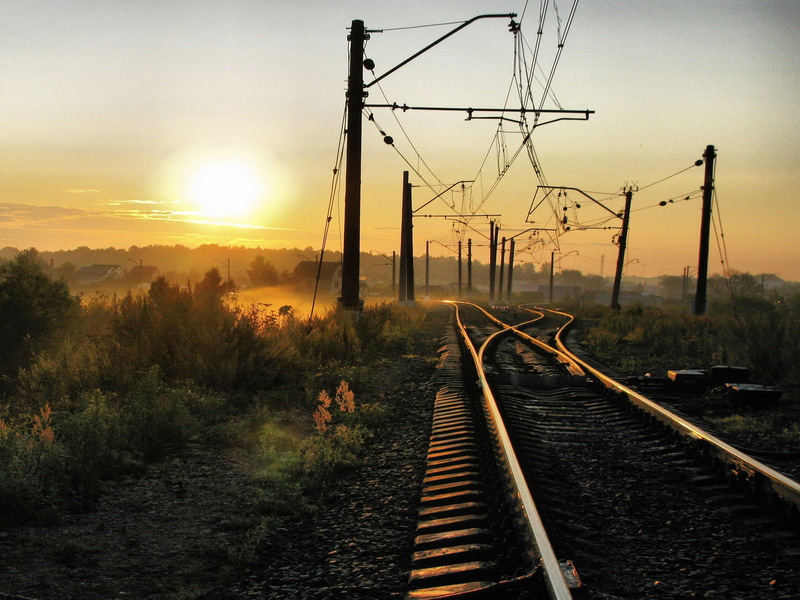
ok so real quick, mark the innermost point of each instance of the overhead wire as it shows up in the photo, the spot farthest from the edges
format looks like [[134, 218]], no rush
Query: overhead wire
[[420, 26], [695, 164], [334, 194], [561, 40], [523, 79], [411, 166], [405, 133]]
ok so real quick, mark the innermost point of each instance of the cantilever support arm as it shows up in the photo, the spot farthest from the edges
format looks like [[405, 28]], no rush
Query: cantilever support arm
[[441, 39], [561, 187]]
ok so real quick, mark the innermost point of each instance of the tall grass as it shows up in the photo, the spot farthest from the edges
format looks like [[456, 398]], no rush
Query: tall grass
[[761, 335], [143, 375]]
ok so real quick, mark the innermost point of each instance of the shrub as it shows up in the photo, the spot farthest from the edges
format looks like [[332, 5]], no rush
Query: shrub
[[142, 376], [32, 308], [32, 469], [765, 338]]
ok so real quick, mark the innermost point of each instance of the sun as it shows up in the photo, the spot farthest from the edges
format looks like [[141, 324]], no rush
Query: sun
[[225, 188]]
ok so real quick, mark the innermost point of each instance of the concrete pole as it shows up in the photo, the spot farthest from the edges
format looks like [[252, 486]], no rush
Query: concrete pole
[[427, 269], [351, 247], [705, 231], [402, 295], [469, 268], [409, 216], [623, 242], [502, 266], [510, 269], [460, 277]]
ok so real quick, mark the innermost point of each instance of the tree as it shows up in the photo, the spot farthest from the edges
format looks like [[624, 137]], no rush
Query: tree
[[32, 308], [672, 286], [65, 271], [211, 283], [262, 272], [570, 277]]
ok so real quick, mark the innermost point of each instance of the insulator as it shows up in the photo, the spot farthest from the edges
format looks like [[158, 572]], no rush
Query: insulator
[[698, 162], [662, 203], [388, 140], [369, 64]]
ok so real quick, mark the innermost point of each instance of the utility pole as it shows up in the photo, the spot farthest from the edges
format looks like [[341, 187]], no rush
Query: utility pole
[[510, 269], [469, 268], [684, 282], [408, 217], [427, 269], [502, 267], [405, 224], [351, 247], [460, 277], [491, 261], [494, 232], [623, 241], [394, 279], [705, 226], [552, 265]]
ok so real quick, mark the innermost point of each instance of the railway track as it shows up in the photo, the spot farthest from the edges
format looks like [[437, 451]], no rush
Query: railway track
[[547, 479]]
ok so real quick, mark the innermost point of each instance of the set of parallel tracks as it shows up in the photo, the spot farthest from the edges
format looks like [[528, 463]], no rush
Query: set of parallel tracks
[[547, 479]]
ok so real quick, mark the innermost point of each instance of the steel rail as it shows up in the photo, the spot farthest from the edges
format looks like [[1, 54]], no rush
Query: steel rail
[[562, 357], [557, 586], [764, 476]]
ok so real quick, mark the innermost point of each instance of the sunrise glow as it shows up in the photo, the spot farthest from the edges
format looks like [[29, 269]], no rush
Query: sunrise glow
[[225, 188]]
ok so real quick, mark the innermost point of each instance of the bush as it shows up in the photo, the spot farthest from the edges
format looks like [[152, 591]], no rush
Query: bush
[[33, 481], [763, 336], [32, 308], [140, 377]]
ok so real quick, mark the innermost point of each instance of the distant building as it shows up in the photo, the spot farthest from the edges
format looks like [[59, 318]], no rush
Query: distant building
[[97, 273], [305, 273]]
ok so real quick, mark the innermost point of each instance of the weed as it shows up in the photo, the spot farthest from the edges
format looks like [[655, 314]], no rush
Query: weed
[[141, 376]]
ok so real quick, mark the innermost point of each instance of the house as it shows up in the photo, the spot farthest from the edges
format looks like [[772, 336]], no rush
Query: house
[[330, 276], [97, 273]]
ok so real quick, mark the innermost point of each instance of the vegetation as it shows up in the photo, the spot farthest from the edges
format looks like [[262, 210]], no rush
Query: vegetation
[[134, 379], [752, 331], [759, 334], [32, 307], [263, 273]]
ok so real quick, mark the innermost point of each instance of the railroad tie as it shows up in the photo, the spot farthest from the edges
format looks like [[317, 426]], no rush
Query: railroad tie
[[453, 551]]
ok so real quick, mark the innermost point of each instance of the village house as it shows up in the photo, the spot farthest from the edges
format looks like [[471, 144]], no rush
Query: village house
[[97, 273], [330, 276]]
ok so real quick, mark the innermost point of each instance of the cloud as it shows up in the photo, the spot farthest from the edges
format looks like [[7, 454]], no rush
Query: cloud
[[124, 202], [55, 227], [11, 213], [87, 191]]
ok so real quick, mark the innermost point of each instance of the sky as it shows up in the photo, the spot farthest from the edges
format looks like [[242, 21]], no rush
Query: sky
[[137, 122]]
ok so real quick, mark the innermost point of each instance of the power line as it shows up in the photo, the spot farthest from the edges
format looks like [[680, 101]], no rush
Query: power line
[[695, 164], [416, 26]]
